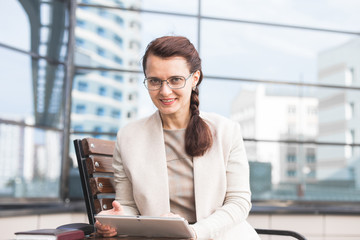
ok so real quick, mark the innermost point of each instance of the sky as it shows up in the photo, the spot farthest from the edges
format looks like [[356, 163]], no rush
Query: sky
[[227, 49]]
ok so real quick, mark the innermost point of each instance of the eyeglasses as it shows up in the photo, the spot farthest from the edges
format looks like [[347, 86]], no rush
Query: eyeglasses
[[174, 82]]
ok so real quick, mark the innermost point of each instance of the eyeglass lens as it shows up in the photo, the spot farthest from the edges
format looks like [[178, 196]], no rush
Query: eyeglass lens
[[172, 82]]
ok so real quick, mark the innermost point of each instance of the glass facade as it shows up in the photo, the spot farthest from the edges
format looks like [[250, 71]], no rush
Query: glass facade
[[287, 71], [32, 53]]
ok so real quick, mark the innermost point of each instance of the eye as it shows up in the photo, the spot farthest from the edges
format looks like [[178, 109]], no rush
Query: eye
[[176, 80], [154, 81]]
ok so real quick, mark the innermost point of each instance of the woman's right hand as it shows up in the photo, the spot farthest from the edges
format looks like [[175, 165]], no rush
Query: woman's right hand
[[105, 230]]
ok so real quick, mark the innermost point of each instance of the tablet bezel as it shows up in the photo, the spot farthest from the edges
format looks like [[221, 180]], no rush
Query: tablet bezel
[[147, 226]]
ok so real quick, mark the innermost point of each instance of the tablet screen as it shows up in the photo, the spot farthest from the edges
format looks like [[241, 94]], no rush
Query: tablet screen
[[148, 226]]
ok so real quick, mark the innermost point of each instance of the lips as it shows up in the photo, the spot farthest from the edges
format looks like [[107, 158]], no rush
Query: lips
[[167, 101]]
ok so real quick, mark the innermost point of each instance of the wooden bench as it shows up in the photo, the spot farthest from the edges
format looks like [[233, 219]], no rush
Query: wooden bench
[[94, 157]]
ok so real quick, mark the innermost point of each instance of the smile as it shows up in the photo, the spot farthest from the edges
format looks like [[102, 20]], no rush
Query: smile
[[168, 100]]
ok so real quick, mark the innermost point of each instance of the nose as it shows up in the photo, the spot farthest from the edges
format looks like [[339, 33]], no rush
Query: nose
[[165, 89]]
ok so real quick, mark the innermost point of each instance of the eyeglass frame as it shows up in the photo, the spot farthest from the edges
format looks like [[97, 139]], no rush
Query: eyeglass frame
[[167, 82]]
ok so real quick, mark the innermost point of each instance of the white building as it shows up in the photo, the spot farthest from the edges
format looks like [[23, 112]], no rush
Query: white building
[[11, 155], [30, 160], [339, 109], [103, 101], [278, 114]]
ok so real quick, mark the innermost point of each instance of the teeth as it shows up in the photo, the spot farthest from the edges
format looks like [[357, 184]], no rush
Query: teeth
[[168, 100]]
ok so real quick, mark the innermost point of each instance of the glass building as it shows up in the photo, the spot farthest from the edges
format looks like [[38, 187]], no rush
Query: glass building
[[103, 100]]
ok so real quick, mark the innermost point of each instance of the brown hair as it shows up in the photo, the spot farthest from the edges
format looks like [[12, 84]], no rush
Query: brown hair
[[198, 137]]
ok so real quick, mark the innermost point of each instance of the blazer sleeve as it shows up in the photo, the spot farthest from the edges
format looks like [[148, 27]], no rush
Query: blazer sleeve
[[123, 186], [237, 203]]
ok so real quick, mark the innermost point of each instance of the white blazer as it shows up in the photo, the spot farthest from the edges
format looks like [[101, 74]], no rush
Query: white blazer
[[221, 177]]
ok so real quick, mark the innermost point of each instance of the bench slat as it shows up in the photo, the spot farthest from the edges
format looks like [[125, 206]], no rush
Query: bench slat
[[97, 146], [103, 204], [101, 185], [95, 163]]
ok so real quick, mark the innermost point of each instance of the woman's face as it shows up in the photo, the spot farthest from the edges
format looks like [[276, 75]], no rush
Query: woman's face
[[171, 102]]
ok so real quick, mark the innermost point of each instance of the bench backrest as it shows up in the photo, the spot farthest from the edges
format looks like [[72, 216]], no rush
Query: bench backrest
[[94, 157]]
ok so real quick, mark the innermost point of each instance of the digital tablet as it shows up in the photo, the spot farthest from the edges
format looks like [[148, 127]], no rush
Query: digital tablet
[[144, 226]]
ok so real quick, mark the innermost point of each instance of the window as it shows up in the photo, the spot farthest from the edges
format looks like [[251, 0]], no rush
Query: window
[[119, 20], [135, 24], [116, 114], [291, 173], [102, 91], [310, 155], [100, 111], [118, 60], [100, 31], [79, 42], [134, 45], [132, 80], [78, 128], [103, 13], [32, 94], [310, 158], [82, 86], [120, 3], [134, 63], [117, 96], [119, 78], [291, 158], [114, 130], [104, 73], [118, 41], [97, 129], [80, 109], [80, 23], [85, 2], [101, 52]]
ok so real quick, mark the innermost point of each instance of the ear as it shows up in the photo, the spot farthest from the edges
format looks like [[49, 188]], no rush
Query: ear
[[196, 77]]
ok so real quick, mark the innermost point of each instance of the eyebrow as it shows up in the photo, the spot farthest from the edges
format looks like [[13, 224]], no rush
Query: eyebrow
[[166, 78]]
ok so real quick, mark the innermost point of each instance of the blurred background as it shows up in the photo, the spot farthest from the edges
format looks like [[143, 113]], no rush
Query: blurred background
[[287, 70]]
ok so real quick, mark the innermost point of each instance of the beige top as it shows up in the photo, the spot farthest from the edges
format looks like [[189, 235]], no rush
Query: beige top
[[180, 174]]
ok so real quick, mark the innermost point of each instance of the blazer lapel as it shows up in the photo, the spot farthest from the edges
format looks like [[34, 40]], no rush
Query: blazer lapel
[[152, 191]]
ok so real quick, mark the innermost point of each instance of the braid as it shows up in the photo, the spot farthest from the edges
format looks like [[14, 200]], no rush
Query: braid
[[198, 137], [194, 102]]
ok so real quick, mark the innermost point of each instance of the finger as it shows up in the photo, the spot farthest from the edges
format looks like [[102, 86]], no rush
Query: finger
[[102, 227], [117, 206], [109, 234], [97, 223], [107, 231]]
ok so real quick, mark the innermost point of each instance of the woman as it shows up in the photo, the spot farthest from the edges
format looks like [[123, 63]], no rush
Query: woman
[[180, 161]]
